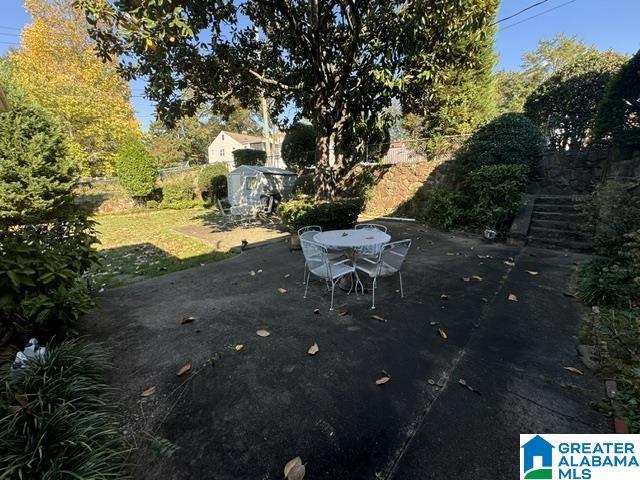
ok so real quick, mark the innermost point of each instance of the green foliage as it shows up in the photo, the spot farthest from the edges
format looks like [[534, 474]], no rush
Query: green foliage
[[298, 147], [612, 221], [249, 156], [510, 139], [495, 193], [618, 117], [57, 419], [179, 193], [212, 181], [304, 186], [338, 214], [608, 281], [565, 104], [136, 169], [442, 208], [36, 178]]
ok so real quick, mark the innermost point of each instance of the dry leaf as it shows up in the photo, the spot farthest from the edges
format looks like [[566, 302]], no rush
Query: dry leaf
[[252, 273], [444, 296], [184, 369], [22, 399], [313, 349], [432, 323], [239, 347], [431, 381], [148, 392], [477, 277], [378, 318], [573, 370], [263, 333], [316, 311], [512, 297], [287, 275], [297, 472], [342, 313], [532, 272], [509, 264], [290, 464], [282, 290], [382, 380], [466, 279], [442, 333], [260, 271], [188, 319], [570, 295]]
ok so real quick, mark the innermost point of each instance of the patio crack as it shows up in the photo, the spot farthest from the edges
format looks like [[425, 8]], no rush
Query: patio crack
[[549, 409], [393, 466]]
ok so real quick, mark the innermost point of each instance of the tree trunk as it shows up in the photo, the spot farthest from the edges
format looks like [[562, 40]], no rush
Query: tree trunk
[[325, 180]]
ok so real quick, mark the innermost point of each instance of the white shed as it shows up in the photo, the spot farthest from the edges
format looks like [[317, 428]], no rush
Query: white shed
[[249, 186]]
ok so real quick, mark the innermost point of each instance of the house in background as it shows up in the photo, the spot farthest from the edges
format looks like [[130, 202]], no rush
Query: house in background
[[222, 147]]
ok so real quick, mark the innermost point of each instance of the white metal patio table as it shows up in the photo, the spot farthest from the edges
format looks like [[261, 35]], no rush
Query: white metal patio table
[[367, 241]]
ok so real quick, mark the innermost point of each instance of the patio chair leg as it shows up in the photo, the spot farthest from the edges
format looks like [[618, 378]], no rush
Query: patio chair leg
[[306, 283], [351, 286], [373, 294], [333, 287], [401, 290]]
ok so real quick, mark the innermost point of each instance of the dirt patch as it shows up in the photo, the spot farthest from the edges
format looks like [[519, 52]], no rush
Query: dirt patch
[[233, 239]]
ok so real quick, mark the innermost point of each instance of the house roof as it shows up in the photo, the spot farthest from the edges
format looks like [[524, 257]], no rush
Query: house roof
[[244, 139]]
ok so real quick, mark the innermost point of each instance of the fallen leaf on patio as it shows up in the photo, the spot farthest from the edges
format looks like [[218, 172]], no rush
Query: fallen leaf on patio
[[467, 386], [573, 370], [442, 333], [477, 277], [148, 392], [239, 347], [382, 380], [431, 381], [343, 313], [184, 369], [451, 254], [433, 323], [187, 320], [297, 473], [466, 279], [570, 295], [444, 296], [378, 318], [532, 272], [22, 399], [263, 333], [484, 256], [252, 273], [290, 465], [509, 264], [313, 349], [282, 290], [512, 297], [485, 300], [287, 275], [316, 311]]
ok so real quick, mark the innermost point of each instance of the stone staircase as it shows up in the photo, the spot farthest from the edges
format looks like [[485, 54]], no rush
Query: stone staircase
[[561, 221]]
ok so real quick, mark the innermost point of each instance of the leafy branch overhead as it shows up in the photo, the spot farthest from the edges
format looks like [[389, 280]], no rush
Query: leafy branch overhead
[[340, 63]]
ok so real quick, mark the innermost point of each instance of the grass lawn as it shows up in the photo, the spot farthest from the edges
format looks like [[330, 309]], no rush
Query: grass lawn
[[141, 244]]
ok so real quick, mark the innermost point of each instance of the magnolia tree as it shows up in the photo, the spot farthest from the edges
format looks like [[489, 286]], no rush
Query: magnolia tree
[[339, 63]]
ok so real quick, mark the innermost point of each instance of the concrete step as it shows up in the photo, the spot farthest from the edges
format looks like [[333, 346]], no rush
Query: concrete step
[[569, 217], [574, 225], [561, 199], [573, 245], [569, 208], [560, 234]]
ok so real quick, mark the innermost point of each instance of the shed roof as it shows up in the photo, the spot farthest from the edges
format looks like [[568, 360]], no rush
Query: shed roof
[[264, 170]]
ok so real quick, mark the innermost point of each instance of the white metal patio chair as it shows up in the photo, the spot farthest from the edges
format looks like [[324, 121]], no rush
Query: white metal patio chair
[[389, 262], [308, 232], [318, 263], [377, 226]]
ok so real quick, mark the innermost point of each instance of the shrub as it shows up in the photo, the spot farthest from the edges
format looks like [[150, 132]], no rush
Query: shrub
[[612, 221], [495, 193], [56, 417], [298, 147], [510, 139], [565, 104], [338, 214], [304, 185], [607, 281], [178, 194], [618, 117], [249, 156], [442, 208], [212, 181], [136, 169]]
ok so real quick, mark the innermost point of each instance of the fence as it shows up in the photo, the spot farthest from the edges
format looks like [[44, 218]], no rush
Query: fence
[[163, 174]]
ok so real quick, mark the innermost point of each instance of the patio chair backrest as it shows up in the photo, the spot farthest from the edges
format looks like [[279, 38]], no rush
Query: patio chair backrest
[[393, 254], [309, 228], [315, 255], [375, 226]]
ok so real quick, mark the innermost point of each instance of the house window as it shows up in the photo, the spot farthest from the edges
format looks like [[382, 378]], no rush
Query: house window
[[222, 152], [223, 136]]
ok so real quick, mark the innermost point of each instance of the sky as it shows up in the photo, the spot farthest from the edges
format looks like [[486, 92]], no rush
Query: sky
[[605, 24]]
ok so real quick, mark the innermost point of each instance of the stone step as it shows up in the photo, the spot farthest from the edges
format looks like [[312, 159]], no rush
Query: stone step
[[560, 234], [575, 224], [570, 208], [573, 245], [569, 217], [561, 199]]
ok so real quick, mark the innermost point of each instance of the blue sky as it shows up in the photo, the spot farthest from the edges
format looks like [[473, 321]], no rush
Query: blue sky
[[606, 24]]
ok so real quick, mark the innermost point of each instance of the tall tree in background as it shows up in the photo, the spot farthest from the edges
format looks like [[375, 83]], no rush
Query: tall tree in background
[[462, 102], [513, 87], [339, 62], [57, 67]]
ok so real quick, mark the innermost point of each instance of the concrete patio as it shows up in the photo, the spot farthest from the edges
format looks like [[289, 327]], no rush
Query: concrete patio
[[240, 415]]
